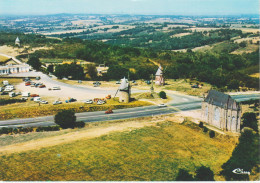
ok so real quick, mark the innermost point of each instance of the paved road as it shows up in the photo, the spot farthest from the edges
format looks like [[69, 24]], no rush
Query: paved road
[[181, 103]]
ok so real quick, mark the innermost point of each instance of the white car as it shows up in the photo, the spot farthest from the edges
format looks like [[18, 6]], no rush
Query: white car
[[88, 101], [56, 88], [57, 102], [162, 105], [44, 102], [100, 102]]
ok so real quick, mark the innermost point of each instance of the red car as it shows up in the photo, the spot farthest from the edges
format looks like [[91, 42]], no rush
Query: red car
[[109, 111], [34, 95], [42, 86], [27, 84]]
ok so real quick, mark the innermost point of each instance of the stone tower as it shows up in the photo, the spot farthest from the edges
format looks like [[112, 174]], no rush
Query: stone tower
[[159, 80], [124, 91], [17, 41]]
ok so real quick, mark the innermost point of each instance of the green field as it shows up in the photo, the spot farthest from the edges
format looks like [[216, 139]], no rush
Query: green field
[[146, 154]]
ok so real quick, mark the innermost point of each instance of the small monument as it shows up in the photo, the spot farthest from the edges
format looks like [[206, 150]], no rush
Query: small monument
[[124, 91], [17, 41], [159, 80]]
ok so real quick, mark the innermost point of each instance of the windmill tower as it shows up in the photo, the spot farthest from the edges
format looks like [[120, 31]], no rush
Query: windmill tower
[[17, 41], [124, 91], [159, 79]]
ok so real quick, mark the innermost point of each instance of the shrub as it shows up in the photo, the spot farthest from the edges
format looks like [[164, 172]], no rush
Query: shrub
[[65, 119], [183, 175], [204, 174], [244, 156], [162, 95], [80, 124], [249, 120], [201, 124], [211, 134], [5, 130], [205, 129], [15, 131]]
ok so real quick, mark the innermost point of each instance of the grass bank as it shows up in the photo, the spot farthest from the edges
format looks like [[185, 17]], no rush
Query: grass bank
[[32, 109], [145, 154]]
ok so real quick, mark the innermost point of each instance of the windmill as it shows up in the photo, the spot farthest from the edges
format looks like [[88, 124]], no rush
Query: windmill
[[159, 76]]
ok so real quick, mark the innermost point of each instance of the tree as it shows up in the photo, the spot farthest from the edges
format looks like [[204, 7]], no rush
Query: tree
[[91, 71], [66, 119], [35, 63], [183, 175], [66, 70], [249, 120], [211, 134], [204, 174], [162, 95], [50, 68], [233, 84], [245, 156]]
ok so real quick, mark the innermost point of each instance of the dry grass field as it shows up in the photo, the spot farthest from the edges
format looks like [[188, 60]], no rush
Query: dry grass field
[[139, 153], [3, 59]]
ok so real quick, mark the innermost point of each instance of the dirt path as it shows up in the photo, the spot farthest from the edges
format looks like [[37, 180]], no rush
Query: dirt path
[[74, 136]]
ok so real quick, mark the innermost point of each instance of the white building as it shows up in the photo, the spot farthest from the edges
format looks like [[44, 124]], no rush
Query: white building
[[17, 41], [10, 69]]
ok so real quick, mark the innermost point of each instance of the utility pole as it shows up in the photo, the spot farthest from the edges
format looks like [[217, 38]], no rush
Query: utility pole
[[152, 89]]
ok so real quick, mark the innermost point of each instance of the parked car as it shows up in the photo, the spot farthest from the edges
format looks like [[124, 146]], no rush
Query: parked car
[[23, 98], [44, 102], [37, 99], [34, 95], [109, 111], [88, 101], [38, 78], [11, 94], [57, 102], [25, 94], [5, 83], [108, 97], [4, 93], [100, 102], [118, 82], [162, 105], [195, 86], [56, 88], [26, 79], [27, 83], [71, 100], [42, 86], [133, 81]]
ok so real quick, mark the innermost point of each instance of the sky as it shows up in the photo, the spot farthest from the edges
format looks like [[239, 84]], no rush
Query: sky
[[150, 7]]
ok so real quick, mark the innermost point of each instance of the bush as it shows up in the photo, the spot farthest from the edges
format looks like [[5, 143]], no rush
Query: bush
[[5, 130], [244, 156], [249, 120], [162, 95], [204, 174], [201, 125], [65, 119], [211, 134], [184, 175], [80, 124], [205, 129]]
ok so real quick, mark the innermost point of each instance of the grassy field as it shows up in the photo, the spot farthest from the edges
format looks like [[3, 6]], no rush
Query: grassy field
[[148, 153], [180, 85], [12, 81], [3, 59]]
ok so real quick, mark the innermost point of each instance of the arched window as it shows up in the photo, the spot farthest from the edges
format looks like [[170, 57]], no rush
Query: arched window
[[206, 111], [217, 114]]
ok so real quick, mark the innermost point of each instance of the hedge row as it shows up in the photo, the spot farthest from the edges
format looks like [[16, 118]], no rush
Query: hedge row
[[10, 101]]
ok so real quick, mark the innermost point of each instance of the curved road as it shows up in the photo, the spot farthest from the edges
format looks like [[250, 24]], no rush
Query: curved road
[[180, 103]]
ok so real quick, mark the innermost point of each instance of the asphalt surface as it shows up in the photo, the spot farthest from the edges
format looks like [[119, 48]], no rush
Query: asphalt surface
[[180, 103]]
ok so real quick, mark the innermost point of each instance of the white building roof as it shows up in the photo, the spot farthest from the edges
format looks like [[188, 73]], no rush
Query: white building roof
[[159, 71], [17, 40], [124, 84]]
